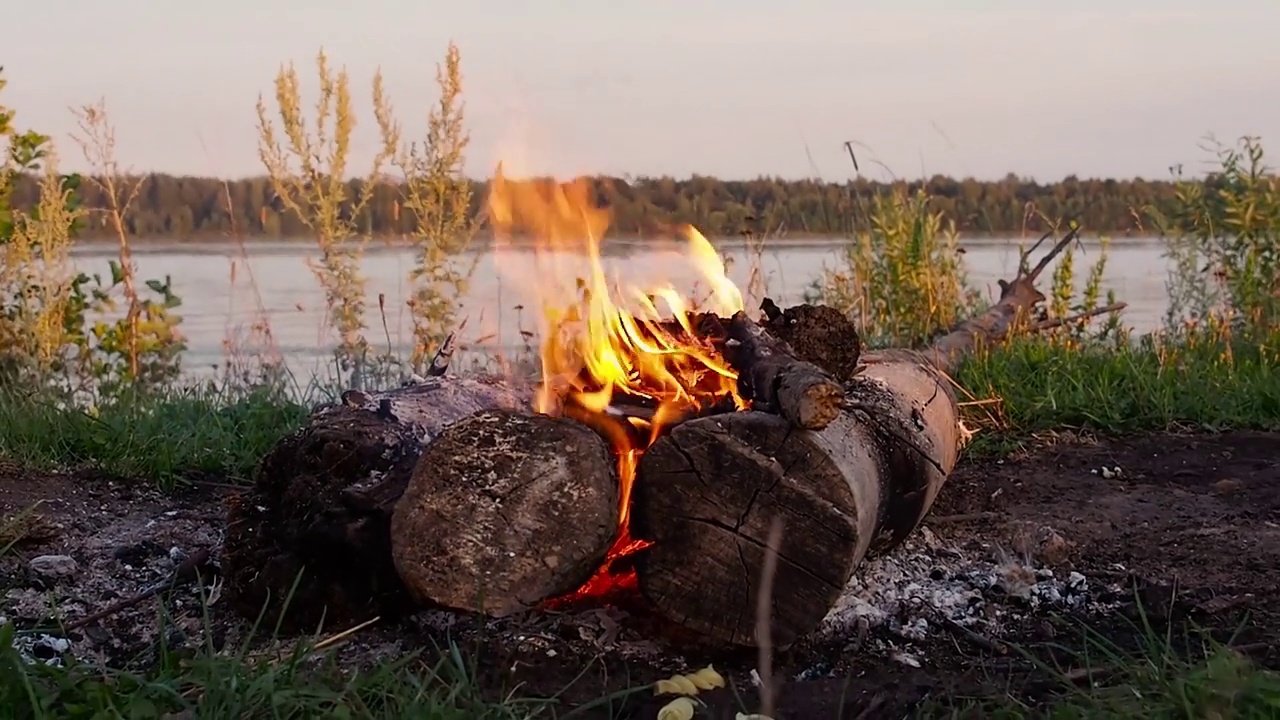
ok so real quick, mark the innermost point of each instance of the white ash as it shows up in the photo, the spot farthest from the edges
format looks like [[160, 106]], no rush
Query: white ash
[[927, 582], [112, 553]]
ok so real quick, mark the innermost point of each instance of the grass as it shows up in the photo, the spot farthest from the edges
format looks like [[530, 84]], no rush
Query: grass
[[163, 437], [1208, 381], [215, 685]]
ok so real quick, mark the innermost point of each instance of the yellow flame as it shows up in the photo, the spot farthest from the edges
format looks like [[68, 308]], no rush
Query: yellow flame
[[610, 338]]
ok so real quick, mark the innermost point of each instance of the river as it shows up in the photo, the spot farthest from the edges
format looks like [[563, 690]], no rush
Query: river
[[227, 288]]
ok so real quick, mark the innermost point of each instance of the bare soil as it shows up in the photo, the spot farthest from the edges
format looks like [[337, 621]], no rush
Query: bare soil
[[1187, 530]]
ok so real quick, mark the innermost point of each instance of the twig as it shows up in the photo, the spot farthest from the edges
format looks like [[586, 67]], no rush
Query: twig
[[1061, 245], [440, 363], [982, 641], [763, 602], [1057, 322], [872, 708], [961, 518], [339, 637], [186, 571]]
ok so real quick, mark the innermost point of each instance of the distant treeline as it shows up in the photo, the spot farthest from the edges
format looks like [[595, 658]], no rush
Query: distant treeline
[[182, 208]]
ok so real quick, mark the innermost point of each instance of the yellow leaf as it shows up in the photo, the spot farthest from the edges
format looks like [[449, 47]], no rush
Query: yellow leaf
[[707, 678], [679, 709], [675, 685]]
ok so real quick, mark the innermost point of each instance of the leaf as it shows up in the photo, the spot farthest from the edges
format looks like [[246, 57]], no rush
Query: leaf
[[707, 678], [675, 685], [679, 709]]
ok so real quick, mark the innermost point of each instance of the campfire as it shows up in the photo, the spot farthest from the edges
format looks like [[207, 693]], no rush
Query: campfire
[[663, 445], [610, 356]]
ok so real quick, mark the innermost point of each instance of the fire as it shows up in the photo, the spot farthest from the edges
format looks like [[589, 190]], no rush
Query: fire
[[609, 355]]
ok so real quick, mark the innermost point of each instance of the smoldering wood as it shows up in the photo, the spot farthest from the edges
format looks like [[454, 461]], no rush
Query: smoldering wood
[[319, 511], [819, 334], [775, 380], [505, 510]]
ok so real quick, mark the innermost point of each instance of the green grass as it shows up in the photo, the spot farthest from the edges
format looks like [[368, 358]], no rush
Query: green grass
[[238, 686], [1195, 381], [1201, 381], [162, 437]]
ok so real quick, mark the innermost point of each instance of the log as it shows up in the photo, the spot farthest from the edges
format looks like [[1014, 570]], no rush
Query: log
[[776, 381], [706, 493], [309, 542], [504, 511]]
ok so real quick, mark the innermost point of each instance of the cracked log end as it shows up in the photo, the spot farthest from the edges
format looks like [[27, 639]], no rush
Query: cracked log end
[[706, 494], [506, 510]]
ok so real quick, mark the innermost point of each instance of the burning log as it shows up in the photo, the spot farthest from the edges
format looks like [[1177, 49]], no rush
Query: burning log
[[707, 492], [505, 510], [319, 512], [776, 381]]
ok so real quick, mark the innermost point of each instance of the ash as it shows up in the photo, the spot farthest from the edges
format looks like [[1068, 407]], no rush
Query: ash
[[928, 586]]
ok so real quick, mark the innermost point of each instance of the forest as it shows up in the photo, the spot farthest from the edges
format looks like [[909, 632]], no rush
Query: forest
[[200, 208]]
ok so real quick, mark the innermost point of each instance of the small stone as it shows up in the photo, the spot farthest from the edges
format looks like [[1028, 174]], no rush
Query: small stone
[[1228, 485], [1052, 548], [52, 568]]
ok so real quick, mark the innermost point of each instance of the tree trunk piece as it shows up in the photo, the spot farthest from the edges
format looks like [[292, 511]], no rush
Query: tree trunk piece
[[706, 493], [505, 510], [319, 511]]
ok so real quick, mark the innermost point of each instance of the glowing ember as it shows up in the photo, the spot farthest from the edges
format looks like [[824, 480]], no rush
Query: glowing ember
[[605, 343]]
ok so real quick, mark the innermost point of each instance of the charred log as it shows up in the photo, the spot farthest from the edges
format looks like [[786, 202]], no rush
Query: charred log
[[819, 334], [707, 493], [776, 381], [309, 542], [506, 510]]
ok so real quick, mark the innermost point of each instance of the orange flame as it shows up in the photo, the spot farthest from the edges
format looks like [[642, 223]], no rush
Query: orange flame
[[605, 343]]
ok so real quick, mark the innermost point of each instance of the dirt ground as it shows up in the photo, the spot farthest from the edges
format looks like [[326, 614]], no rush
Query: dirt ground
[[1189, 525]]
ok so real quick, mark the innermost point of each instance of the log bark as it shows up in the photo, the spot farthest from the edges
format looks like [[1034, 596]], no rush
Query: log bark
[[504, 511], [776, 381], [706, 493], [309, 542]]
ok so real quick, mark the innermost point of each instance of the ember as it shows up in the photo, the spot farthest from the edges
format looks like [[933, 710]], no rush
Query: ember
[[609, 357]]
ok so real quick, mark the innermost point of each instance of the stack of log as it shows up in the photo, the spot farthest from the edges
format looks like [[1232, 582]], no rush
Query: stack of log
[[453, 493]]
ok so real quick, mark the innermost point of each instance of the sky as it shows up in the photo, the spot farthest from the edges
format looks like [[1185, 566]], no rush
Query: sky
[[730, 88]]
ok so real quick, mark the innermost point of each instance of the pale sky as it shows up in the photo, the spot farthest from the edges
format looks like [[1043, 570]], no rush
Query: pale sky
[[732, 88]]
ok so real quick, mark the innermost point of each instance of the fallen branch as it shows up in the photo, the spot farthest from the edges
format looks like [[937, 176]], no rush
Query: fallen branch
[[1058, 322]]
